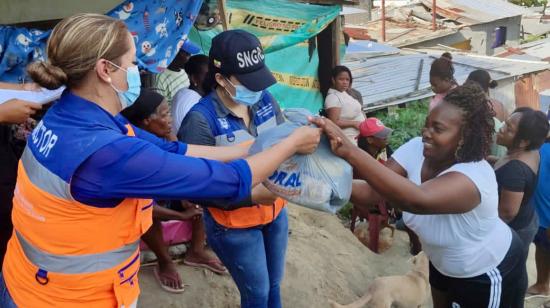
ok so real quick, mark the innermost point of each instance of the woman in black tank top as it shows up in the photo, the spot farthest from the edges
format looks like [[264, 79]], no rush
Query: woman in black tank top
[[522, 134]]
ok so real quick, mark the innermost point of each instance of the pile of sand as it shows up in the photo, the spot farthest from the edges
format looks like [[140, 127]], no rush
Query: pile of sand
[[324, 261]]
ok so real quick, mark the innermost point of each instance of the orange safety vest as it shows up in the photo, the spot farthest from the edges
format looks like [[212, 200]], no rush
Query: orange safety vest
[[67, 254], [247, 217]]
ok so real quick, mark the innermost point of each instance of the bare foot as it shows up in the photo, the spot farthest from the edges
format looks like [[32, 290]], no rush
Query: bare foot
[[537, 289], [205, 258], [169, 277], [202, 254]]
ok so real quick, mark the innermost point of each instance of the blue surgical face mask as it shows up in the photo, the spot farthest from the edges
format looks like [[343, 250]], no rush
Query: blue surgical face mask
[[128, 97], [245, 96]]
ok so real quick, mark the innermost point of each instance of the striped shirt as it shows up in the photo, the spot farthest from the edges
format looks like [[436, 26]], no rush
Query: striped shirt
[[169, 83]]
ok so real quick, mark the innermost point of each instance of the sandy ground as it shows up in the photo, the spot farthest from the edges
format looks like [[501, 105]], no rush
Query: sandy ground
[[324, 261]]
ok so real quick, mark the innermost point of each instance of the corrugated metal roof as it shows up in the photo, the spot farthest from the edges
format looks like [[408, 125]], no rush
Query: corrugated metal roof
[[537, 50], [535, 24], [393, 80], [476, 11], [364, 46], [401, 34]]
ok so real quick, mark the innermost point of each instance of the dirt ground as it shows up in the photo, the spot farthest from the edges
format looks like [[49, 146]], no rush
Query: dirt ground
[[324, 261]]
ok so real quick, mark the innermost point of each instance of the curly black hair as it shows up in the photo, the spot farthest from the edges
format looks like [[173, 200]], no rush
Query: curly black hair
[[478, 125]]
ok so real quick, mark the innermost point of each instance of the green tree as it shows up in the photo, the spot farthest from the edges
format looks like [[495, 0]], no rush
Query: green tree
[[529, 3]]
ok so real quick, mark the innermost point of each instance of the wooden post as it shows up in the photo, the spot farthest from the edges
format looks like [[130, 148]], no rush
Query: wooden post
[[367, 4], [434, 8], [336, 32], [223, 14], [383, 20], [418, 74]]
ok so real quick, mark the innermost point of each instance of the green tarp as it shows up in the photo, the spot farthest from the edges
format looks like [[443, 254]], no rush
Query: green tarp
[[287, 31]]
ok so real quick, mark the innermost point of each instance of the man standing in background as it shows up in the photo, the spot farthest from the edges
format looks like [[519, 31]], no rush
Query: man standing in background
[[174, 77]]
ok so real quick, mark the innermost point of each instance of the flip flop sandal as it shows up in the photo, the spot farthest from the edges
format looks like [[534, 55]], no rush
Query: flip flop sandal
[[164, 287], [208, 265]]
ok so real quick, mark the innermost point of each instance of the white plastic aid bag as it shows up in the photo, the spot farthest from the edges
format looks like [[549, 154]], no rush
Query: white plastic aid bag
[[320, 181]]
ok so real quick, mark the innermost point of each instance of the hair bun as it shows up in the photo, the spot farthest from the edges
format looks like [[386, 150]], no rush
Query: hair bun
[[47, 75], [493, 84], [447, 55]]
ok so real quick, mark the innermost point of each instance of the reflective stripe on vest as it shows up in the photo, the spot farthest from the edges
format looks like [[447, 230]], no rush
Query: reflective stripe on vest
[[81, 264], [247, 217], [44, 178], [233, 138], [272, 122]]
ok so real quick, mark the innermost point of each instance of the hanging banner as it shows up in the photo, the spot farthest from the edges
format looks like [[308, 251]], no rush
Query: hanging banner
[[159, 29], [287, 30]]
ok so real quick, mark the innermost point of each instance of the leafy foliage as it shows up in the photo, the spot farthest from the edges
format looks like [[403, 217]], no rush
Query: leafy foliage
[[531, 38], [345, 212], [529, 3], [406, 122]]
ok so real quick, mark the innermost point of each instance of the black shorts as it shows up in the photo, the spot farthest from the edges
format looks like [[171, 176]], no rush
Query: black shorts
[[503, 286]]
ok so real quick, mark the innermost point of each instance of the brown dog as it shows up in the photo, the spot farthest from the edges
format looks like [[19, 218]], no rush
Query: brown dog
[[410, 290]]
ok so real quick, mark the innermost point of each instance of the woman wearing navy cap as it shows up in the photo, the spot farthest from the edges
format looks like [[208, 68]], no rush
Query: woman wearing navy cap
[[252, 241]]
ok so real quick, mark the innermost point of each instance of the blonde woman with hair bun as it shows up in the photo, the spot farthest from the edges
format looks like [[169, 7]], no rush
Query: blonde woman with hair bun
[[87, 177]]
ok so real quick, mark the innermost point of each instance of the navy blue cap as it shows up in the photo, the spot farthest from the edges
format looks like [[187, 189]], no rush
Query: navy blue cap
[[239, 53]]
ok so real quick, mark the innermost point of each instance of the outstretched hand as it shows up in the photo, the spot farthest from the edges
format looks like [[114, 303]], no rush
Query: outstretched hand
[[339, 143], [16, 111], [306, 139]]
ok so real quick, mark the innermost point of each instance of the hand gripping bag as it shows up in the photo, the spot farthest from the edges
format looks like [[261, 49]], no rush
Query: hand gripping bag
[[320, 180]]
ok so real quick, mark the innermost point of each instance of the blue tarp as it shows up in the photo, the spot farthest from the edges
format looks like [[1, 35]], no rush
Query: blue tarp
[[159, 28]]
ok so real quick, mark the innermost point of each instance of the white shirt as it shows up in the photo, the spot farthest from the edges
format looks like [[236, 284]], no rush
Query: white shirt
[[459, 245], [183, 101], [350, 110]]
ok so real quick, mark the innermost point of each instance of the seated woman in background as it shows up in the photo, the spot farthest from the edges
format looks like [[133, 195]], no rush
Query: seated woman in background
[[449, 197], [344, 110], [441, 78], [196, 68], [483, 78], [151, 113], [522, 134]]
